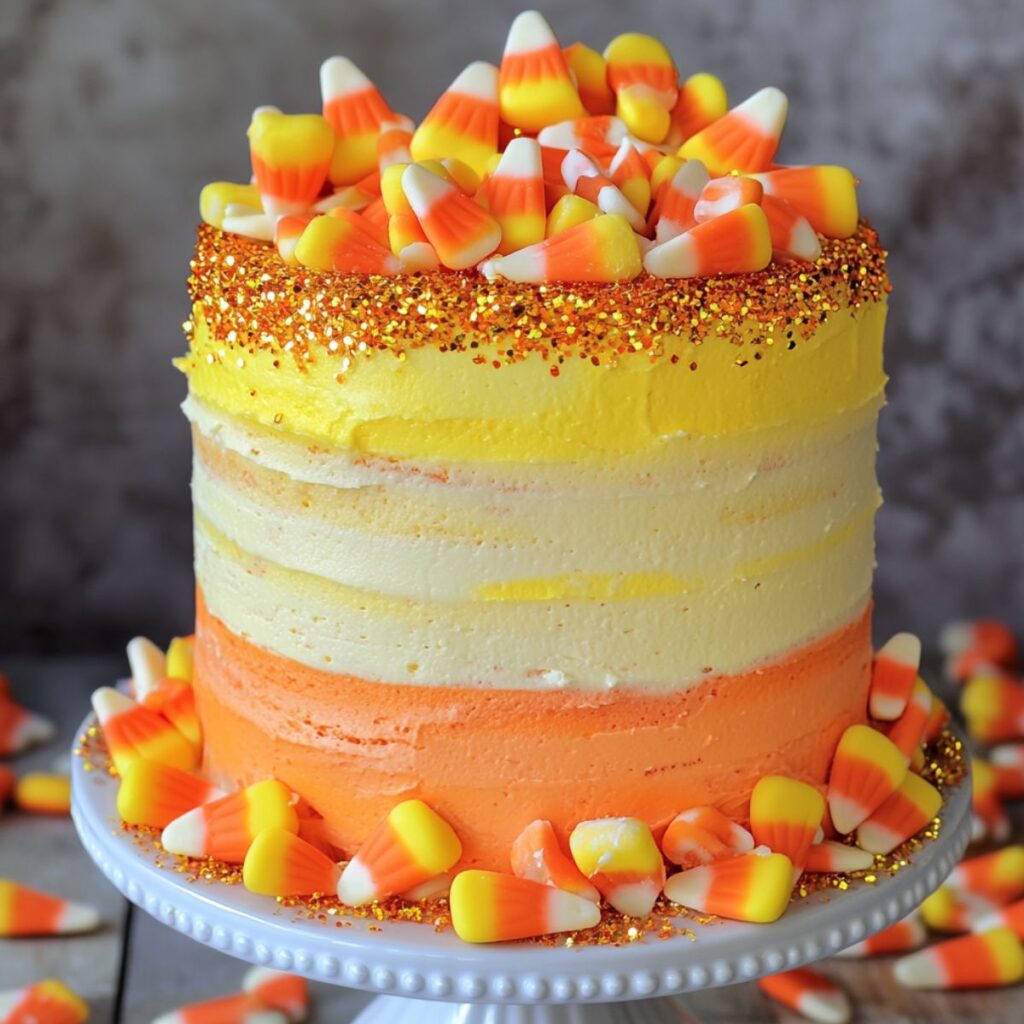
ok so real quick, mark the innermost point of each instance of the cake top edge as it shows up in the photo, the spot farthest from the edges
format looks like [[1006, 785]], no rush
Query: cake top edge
[[558, 165]]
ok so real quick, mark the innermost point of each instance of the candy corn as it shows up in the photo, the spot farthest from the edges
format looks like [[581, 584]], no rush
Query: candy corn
[[355, 110], [1011, 916], [515, 195], [291, 154], [20, 728], [288, 993], [907, 731], [622, 860], [225, 829], [345, 241], [996, 876], [826, 196], [722, 195], [947, 910], [155, 794], [411, 845], [220, 197], [569, 211], [279, 863], [287, 232], [987, 810], [702, 100], [538, 856], [744, 139], [634, 58], [902, 815], [25, 911], [590, 70], [134, 732], [179, 658], [893, 673], [404, 230], [43, 793], [238, 1009], [602, 249], [674, 205], [735, 243], [702, 835], [432, 888], [993, 705], [535, 87], [598, 137], [459, 230], [393, 147], [971, 644], [792, 234], [45, 1002], [985, 960], [419, 256], [630, 172], [1007, 763], [354, 197], [901, 937], [175, 700], [867, 768], [808, 993], [464, 121], [830, 856], [785, 814], [584, 178], [148, 665], [751, 887], [490, 907], [643, 111], [937, 719]]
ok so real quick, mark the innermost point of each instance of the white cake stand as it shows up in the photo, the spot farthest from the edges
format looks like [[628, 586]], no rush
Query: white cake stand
[[410, 965]]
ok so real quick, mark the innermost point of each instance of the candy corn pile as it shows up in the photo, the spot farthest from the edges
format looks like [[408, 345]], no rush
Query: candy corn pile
[[560, 164]]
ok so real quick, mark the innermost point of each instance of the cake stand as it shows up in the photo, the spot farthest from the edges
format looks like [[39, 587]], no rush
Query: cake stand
[[422, 977]]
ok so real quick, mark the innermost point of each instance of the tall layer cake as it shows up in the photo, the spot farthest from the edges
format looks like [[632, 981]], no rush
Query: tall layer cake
[[534, 451]]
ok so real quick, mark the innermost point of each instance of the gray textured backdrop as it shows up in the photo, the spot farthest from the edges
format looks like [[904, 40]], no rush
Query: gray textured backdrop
[[113, 114]]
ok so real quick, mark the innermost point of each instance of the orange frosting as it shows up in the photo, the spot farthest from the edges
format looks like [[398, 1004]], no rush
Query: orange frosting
[[491, 761]]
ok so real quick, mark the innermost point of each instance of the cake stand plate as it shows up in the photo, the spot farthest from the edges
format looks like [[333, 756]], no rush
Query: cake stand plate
[[429, 978]]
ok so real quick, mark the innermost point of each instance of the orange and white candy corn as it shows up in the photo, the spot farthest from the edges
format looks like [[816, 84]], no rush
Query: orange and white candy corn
[[735, 243], [355, 110], [569, 211], [675, 202], [134, 732], [989, 817], [21, 728], [993, 705], [947, 910], [535, 87], [602, 249], [968, 645], [344, 241], [583, 177], [411, 845], [792, 234], [220, 199], [808, 993], [702, 835], [829, 856], [291, 154], [515, 195], [147, 663], [785, 815], [180, 654], [461, 232], [155, 794], [901, 816], [598, 137], [464, 121], [825, 195], [45, 1002], [996, 876], [590, 70], [986, 960], [907, 731], [287, 232], [751, 887], [1007, 763], [893, 673], [237, 1009], [722, 195], [631, 173], [25, 911], [901, 937], [538, 855], [622, 860], [43, 793], [744, 139], [288, 993], [1011, 916], [225, 829], [702, 100], [393, 147], [490, 907], [175, 700], [867, 769], [279, 863]]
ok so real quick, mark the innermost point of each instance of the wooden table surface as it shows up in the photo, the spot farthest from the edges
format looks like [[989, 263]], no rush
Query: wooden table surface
[[134, 969]]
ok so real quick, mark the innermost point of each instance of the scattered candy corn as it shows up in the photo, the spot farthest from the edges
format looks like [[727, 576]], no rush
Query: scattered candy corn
[[535, 86], [1008, 765], [134, 732], [179, 658], [569, 211], [1011, 916], [751, 887], [460, 231], [148, 665], [45, 1002], [702, 100], [893, 673], [490, 907], [155, 794], [631, 173], [993, 705], [21, 728], [901, 937], [622, 860], [590, 70], [808, 993], [288, 993], [43, 793], [584, 178], [735, 243], [744, 139], [985, 960], [867, 768], [969, 645], [598, 137], [175, 700], [515, 195], [538, 856], [291, 154], [947, 910], [908, 730], [279, 863], [674, 206], [792, 234], [220, 197], [830, 856], [702, 835], [722, 195], [988, 813], [602, 249], [826, 196], [25, 911], [345, 241], [287, 232], [225, 829], [996, 876], [238, 1009], [412, 844], [785, 814], [902, 815]]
